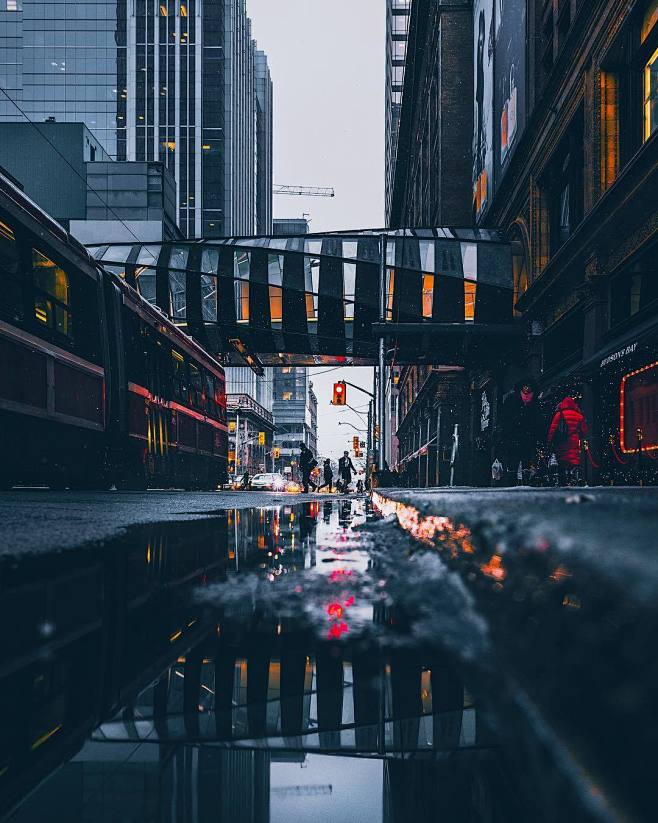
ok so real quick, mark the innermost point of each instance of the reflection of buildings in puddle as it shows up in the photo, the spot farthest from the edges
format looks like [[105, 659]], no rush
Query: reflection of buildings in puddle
[[281, 536], [277, 692]]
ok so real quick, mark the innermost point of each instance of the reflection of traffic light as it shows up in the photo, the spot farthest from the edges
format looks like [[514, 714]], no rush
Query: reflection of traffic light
[[261, 438], [377, 430], [340, 394], [276, 452]]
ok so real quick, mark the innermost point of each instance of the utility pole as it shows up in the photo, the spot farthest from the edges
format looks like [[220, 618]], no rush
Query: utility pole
[[382, 355]]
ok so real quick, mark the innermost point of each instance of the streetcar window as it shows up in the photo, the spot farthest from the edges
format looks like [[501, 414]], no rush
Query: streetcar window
[[179, 375], [209, 385], [10, 282], [196, 387], [51, 298], [220, 399]]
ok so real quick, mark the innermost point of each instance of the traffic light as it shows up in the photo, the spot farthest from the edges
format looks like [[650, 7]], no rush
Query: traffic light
[[355, 442], [340, 394], [261, 438], [276, 452]]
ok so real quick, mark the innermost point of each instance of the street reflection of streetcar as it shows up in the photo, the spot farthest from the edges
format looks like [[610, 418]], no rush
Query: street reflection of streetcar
[[91, 628], [97, 387]]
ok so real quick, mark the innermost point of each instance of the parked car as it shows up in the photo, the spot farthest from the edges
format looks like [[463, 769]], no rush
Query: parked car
[[271, 482]]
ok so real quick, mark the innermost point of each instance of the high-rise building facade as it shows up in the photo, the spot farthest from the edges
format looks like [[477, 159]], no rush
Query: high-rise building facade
[[251, 423], [397, 27], [177, 82], [431, 160], [295, 415]]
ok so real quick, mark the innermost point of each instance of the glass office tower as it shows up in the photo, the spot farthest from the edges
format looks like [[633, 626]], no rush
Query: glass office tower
[[174, 81]]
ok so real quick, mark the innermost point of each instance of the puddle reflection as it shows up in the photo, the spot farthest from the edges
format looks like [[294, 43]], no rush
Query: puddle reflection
[[129, 695]]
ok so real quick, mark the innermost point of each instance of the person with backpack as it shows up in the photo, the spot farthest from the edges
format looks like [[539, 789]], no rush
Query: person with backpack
[[327, 475], [522, 430], [565, 433], [307, 463]]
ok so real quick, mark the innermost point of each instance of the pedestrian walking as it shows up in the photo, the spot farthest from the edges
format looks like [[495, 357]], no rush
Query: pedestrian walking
[[327, 475], [345, 469], [307, 463], [246, 480], [522, 429], [565, 433]]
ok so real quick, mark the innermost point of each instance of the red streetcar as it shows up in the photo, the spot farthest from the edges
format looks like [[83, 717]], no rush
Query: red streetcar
[[97, 387]]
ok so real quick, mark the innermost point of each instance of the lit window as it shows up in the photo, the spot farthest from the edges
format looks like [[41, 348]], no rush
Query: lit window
[[10, 271], [242, 287], [390, 289], [276, 302], [651, 95], [51, 298], [428, 294], [470, 289]]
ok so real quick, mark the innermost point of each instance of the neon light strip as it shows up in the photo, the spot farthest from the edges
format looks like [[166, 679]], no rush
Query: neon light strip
[[622, 421]]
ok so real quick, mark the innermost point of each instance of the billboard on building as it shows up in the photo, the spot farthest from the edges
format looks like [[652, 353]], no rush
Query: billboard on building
[[483, 132], [509, 79]]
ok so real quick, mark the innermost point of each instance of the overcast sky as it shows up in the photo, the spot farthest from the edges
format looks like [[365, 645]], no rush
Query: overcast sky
[[327, 63]]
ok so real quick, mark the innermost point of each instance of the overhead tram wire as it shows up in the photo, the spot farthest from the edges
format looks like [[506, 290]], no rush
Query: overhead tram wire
[[74, 170]]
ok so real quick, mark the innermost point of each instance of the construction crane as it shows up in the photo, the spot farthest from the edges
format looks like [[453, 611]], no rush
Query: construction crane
[[304, 191], [301, 791]]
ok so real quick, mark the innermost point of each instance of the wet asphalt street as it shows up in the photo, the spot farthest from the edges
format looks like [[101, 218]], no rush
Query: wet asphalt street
[[492, 649], [39, 520]]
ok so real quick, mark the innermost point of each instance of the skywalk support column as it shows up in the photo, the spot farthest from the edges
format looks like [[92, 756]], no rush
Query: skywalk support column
[[382, 356]]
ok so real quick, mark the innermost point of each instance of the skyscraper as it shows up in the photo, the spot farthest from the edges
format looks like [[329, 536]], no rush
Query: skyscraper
[[397, 30], [176, 81]]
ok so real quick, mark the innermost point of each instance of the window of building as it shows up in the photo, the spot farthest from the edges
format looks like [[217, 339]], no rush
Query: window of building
[[635, 288], [519, 272], [650, 108], [563, 185], [10, 280], [51, 294], [629, 91], [286, 395]]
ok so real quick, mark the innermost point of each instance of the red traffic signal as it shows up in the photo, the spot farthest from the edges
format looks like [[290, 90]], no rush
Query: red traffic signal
[[340, 394]]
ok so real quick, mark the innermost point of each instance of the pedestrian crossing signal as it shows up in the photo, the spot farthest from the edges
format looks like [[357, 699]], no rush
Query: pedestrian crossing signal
[[340, 394]]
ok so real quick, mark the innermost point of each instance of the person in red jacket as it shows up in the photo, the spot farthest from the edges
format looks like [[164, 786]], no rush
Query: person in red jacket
[[567, 429]]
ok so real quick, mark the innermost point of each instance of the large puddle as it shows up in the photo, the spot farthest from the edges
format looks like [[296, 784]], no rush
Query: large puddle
[[287, 663]]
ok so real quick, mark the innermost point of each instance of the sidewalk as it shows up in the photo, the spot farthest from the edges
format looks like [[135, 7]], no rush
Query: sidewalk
[[567, 581]]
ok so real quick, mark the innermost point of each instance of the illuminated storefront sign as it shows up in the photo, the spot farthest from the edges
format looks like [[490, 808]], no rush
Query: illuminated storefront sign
[[618, 355], [638, 409]]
